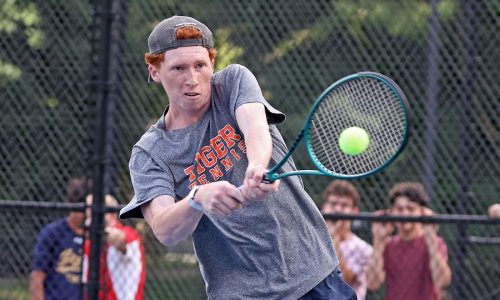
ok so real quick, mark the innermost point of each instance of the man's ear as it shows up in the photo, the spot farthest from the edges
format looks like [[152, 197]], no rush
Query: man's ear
[[153, 71]]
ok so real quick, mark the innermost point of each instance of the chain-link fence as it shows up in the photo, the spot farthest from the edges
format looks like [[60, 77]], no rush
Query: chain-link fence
[[443, 54]]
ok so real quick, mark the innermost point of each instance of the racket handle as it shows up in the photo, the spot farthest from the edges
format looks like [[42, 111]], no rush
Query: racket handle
[[266, 179]]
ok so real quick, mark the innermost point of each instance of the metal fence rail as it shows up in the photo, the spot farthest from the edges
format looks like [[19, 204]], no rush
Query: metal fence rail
[[443, 54]]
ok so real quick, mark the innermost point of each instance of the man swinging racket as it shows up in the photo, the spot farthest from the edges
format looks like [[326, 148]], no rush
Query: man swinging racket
[[198, 171]]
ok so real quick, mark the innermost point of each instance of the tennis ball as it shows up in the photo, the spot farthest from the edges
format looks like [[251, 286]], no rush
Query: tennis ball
[[353, 140]]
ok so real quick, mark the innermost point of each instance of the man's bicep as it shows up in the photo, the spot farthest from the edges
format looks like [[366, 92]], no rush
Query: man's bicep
[[153, 208]]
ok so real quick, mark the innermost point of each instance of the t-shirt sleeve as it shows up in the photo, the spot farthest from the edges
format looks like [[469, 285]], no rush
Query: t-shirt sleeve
[[149, 181], [243, 88], [42, 253]]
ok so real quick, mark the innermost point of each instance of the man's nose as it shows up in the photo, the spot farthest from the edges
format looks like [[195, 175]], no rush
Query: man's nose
[[192, 77]]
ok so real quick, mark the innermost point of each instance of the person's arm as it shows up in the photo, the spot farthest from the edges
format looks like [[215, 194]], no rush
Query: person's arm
[[251, 119], [440, 270], [349, 276], [173, 222], [441, 273], [117, 238], [37, 278], [375, 273]]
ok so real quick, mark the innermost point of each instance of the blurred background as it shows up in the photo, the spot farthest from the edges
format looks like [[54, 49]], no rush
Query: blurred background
[[55, 86]]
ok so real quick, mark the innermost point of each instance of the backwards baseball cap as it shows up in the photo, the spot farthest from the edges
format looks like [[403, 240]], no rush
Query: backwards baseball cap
[[162, 38]]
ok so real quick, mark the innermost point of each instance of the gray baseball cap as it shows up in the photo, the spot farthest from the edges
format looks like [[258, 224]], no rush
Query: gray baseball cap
[[162, 38]]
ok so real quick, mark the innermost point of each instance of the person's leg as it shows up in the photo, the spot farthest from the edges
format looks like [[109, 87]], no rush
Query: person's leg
[[332, 287]]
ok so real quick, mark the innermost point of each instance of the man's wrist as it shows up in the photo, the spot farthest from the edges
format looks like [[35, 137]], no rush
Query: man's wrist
[[191, 200]]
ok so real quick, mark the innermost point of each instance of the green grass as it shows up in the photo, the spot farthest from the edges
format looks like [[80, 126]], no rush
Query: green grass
[[14, 289]]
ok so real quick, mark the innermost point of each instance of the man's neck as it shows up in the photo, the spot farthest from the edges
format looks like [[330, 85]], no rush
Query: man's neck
[[345, 234], [76, 228], [178, 119]]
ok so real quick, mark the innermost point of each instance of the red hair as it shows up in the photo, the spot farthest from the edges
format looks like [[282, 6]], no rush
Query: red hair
[[188, 32]]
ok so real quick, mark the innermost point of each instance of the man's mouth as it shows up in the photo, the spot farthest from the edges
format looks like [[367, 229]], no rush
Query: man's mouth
[[191, 94]]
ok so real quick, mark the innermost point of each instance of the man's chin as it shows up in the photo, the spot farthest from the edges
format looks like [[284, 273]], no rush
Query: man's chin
[[405, 227]]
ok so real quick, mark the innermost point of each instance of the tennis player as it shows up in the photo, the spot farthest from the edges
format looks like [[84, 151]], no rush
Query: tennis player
[[260, 241]]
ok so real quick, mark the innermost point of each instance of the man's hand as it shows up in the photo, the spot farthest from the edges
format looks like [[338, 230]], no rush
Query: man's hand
[[334, 229], [381, 230], [220, 197], [429, 230], [440, 270], [253, 187], [116, 238]]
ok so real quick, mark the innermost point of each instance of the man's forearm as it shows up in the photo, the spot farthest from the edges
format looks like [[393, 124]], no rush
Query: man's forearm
[[375, 274], [36, 292], [37, 279], [259, 145], [251, 118], [440, 271], [173, 223], [349, 276]]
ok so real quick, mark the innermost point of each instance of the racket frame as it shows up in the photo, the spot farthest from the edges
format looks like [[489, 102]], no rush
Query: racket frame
[[271, 175]]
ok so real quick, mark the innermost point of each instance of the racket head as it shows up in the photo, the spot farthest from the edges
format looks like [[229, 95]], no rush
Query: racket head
[[368, 100]]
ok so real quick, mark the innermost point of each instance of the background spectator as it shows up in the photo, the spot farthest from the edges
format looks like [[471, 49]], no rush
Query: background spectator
[[123, 269], [57, 256], [414, 263], [341, 196]]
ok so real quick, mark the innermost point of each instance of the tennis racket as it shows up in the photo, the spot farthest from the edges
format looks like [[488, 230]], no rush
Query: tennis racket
[[368, 100]]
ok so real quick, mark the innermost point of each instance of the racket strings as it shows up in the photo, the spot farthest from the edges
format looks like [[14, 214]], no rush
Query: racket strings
[[364, 102]]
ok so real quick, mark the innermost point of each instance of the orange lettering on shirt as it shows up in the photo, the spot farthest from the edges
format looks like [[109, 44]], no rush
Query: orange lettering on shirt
[[229, 135], [190, 171], [216, 173], [227, 141], [242, 146], [227, 163], [202, 179], [199, 168], [208, 156], [235, 155], [218, 146]]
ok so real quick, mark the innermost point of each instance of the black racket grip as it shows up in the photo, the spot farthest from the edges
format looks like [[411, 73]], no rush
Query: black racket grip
[[266, 179]]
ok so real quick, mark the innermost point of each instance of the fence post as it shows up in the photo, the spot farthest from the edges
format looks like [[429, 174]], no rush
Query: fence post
[[431, 107], [101, 91], [469, 52], [117, 65]]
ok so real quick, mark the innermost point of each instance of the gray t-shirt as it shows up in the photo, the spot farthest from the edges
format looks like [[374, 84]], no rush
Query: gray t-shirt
[[274, 248]]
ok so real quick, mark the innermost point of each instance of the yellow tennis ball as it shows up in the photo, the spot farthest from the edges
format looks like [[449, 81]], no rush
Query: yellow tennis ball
[[354, 140]]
